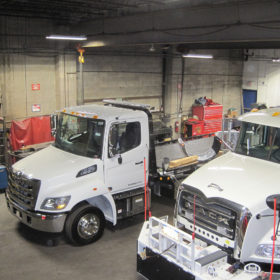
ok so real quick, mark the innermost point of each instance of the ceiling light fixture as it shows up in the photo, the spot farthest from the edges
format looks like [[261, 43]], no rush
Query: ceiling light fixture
[[192, 55], [276, 60], [94, 44], [67, 37]]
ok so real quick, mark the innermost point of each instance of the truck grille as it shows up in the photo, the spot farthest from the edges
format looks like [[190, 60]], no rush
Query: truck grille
[[209, 214], [22, 190]]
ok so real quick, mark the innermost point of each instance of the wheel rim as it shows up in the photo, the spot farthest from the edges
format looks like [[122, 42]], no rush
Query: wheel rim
[[88, 225]]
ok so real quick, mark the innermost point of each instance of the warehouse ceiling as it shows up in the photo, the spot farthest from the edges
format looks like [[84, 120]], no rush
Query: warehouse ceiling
[[76, 11], [187, 24]]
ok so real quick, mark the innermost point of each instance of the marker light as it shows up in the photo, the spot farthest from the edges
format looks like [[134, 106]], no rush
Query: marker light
[[61, 206]]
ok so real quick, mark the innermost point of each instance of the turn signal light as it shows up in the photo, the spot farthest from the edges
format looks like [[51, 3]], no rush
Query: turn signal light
[[60, 206]]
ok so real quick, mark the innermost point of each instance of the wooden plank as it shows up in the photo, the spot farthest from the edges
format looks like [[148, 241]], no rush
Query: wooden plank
[[183, 161], [220, 153]]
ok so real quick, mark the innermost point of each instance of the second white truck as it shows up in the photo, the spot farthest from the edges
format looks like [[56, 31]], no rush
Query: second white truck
[[229, 193], [226, 215]]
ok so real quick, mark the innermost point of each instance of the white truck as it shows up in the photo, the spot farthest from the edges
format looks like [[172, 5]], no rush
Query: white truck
[[230, 193], [94, 171], [227, 204]]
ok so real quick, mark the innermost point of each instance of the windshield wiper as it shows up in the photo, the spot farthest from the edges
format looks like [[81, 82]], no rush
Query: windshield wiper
[[75, 136]]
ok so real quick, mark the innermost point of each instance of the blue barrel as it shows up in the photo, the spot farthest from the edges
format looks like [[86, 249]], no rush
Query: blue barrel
[[3, 177]]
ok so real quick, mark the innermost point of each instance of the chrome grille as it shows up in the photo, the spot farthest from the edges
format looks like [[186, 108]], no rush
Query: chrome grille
[[23, 190], [209, 214]]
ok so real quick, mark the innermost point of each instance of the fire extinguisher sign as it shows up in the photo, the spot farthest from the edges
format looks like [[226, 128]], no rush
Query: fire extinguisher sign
[[35, 86], [36, 108]]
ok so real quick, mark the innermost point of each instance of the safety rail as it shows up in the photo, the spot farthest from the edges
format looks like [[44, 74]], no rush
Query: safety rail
[[176, 245], [187, 257]]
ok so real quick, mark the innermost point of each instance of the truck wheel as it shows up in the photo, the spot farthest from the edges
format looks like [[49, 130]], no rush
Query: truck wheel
[[85, 225]]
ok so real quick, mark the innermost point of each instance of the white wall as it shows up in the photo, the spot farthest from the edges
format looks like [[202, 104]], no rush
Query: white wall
[[134, 78], [219, 79], [20, 71], [263, 75]]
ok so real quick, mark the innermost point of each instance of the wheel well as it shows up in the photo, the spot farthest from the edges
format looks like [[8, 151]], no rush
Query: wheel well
[[80, 204], [101, 203]]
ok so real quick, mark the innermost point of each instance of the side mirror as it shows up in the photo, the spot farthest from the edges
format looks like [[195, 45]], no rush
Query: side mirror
[[270, 201], [54, 121], [113, 141], [112, 151]]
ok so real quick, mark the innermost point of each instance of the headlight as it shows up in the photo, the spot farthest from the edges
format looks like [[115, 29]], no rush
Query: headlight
[[86, 171], [265, 250], [55, 203]]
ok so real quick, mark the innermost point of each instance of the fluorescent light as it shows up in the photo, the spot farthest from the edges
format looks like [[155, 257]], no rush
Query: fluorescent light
[[67, 37], [192, 55], [276, 60], [94, 44]]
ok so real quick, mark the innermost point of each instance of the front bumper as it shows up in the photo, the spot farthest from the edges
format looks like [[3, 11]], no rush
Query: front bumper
[[40, 221]]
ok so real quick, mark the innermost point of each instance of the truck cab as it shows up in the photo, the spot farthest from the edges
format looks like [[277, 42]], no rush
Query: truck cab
[[227, 196], [94, 172]]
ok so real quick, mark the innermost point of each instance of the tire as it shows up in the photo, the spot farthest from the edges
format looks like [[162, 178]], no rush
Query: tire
[[84, 225]]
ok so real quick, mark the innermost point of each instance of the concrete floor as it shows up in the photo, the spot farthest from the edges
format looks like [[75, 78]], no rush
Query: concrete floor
[[25, 254]]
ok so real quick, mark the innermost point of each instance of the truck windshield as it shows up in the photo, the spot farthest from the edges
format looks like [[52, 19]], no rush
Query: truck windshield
[[259, 141], [80, 136]]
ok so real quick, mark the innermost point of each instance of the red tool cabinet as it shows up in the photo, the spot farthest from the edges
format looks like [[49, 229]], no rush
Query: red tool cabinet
[[193, 127], [212, 115]]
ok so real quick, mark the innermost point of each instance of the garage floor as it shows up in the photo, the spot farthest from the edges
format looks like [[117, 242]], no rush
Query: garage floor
[[26, 254]]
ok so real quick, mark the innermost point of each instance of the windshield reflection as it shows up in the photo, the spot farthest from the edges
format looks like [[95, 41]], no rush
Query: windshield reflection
[[259, 141], [80, 136]]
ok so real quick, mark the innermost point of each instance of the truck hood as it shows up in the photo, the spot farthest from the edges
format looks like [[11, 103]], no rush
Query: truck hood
[[242, 179], [53, 166]]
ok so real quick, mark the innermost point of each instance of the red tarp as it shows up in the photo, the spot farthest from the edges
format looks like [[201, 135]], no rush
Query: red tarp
[[31, 131]]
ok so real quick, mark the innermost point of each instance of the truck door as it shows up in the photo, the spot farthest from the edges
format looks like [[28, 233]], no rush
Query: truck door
[[127, 147]]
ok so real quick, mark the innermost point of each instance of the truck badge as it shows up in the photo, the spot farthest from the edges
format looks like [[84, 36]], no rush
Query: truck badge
[[212, 185]]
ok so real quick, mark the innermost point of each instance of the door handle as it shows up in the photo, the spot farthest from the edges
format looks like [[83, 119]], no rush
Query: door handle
[[139, 162]]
